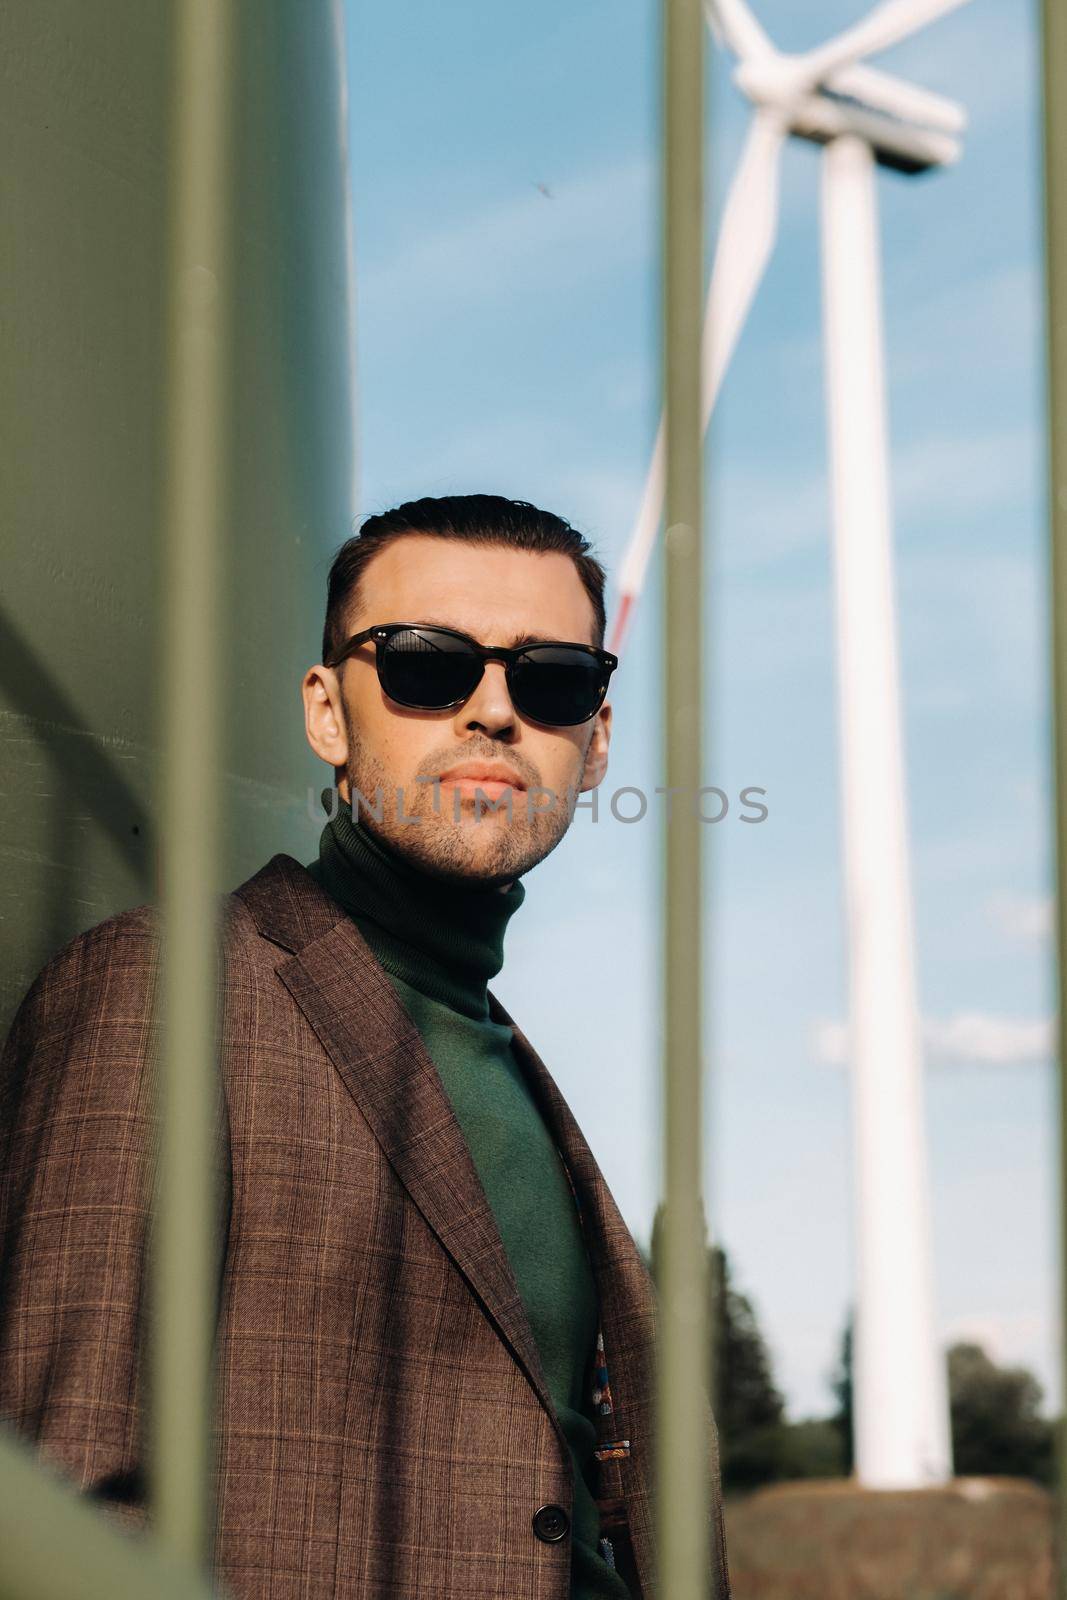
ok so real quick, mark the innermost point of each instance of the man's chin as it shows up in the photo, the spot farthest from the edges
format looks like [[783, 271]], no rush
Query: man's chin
[[486, 851]]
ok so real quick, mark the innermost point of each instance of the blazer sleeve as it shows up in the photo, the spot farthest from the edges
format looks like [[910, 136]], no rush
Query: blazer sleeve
[[75, 1187]]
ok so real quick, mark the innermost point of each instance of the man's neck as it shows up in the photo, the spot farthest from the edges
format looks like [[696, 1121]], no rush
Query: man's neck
[[444, 937]]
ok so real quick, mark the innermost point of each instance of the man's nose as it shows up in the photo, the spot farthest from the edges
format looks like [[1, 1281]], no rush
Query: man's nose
[[489, 707]]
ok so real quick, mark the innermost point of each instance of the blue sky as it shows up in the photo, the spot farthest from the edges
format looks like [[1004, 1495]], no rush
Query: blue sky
[[507, 343]]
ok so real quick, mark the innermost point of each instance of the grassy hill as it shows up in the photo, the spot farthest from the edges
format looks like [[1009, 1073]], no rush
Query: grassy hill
[[977, 1539]]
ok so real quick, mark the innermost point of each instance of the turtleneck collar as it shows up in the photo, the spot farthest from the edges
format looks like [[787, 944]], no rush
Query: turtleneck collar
[[444, 939]]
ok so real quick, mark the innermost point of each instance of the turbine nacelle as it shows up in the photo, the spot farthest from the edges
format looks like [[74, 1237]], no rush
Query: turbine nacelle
[[908, 129], [823, 95], [772, 79]]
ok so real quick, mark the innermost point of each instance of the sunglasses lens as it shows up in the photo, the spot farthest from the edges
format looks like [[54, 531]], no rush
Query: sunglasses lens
[[426, 668], [432, 669], [557, 685]]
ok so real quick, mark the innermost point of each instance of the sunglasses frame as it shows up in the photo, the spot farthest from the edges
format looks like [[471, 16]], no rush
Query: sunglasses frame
[[508, 654]]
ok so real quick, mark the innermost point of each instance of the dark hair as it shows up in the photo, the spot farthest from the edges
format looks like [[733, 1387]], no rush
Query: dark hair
[[478, 518]]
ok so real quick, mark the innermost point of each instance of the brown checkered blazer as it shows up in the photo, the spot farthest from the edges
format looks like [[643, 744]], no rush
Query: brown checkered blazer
[[384, 1428]]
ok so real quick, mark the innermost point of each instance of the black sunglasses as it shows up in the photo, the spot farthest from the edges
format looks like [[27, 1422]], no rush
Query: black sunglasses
[[434, 669]]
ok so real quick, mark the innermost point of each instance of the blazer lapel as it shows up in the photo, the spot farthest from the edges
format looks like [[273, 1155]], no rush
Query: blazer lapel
[[627, 1300], [349, 1001], [624, 1284]]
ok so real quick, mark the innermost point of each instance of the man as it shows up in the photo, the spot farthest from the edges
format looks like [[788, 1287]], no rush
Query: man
[[436, 1335]]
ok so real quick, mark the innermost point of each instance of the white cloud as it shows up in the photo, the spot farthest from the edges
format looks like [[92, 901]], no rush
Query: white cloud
[[829, 1043], [973, 1037], [1020, 916]]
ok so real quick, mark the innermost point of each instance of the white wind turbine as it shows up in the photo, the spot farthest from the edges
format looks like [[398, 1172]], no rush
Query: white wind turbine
[[862, 117]]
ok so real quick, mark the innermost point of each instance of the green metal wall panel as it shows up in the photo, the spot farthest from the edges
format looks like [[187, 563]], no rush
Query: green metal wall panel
[[83, 125]]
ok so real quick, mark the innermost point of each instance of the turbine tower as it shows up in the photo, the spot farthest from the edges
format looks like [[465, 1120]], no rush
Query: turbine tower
[[863, 118]]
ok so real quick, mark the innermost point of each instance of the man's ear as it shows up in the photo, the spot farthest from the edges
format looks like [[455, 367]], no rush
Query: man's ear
[[324, 721], [596, 754]]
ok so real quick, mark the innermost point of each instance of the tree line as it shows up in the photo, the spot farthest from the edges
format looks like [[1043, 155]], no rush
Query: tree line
[[997, 1425]]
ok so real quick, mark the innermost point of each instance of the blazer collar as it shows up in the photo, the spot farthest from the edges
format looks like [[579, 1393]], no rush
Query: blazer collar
[[353, 1008]]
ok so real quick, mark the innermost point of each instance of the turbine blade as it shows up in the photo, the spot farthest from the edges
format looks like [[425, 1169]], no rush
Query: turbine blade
[[633, 567], [886, 25], [746, 238], [897, 98], [734, 22]]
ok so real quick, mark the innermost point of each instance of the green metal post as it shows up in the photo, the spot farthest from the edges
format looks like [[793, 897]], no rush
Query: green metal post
[[58, 1545], [189, 858], [92, 217], [1054, 55], [682, 1476]]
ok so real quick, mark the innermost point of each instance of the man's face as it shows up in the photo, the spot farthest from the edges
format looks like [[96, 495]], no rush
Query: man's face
[[496, 595]]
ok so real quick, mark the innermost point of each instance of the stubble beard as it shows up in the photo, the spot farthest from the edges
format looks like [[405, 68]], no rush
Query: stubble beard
[[491, 849]]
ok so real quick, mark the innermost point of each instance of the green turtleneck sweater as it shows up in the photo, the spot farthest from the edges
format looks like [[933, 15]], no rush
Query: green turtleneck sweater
[[441, 943]]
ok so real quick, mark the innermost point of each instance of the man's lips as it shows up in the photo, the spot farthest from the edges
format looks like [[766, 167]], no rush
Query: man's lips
[[492, 780], [471, 788]]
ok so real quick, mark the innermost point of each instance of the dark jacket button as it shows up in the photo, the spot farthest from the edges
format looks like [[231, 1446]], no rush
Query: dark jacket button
[[551, 1523]]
